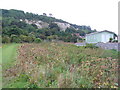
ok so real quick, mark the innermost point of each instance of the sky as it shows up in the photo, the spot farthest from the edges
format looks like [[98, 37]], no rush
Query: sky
[[99, 14]]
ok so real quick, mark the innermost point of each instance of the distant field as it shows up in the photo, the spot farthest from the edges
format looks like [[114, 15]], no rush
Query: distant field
[[58, 65]]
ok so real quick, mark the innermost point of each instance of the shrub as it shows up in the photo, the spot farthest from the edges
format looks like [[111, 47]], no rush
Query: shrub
[[38, 40], [15, 38], [6, 39], [90, 46], [115, 41], [111, 39]]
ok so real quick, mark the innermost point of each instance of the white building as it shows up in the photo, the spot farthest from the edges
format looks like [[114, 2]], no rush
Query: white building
[[102, 36]]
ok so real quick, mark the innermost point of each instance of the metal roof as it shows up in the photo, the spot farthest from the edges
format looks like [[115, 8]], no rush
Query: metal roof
[[101, 32]]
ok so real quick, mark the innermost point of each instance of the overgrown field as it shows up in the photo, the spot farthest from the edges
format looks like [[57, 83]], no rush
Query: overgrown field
[[62, 65], [0, 66]]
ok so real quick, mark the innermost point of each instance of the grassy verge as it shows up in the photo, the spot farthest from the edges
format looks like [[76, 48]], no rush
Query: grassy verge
[[9, 55], [62, 65], [0, 66]]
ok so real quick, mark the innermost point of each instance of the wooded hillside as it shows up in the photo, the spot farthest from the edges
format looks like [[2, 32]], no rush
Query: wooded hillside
[[19, 26]]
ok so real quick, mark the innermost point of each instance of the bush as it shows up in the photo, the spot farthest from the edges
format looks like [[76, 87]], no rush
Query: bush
[[38, 40], [115, 41], [111, 39], [15, 38], [90, 46], [6, 39]]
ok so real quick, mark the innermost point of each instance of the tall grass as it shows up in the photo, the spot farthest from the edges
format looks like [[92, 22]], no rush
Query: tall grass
[[62, 65]]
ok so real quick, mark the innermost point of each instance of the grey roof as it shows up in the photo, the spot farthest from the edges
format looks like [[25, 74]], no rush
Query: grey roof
[[102, 31]]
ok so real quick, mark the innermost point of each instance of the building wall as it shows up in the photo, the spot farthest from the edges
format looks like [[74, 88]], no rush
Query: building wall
[[106, 36], [99, 37], [119, 38]]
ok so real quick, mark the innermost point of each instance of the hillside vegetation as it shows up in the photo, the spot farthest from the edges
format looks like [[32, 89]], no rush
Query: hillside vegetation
[[19, 26], [63, 65]]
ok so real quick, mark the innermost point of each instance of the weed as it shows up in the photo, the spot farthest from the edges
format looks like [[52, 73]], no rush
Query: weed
[[63, 65]]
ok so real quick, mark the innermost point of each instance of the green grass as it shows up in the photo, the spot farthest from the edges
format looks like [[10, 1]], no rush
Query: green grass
[[9, 55], [0, 67], [63, 65], [110, 53]]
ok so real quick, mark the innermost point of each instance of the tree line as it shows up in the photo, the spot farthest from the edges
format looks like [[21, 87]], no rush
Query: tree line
[[14, 30]]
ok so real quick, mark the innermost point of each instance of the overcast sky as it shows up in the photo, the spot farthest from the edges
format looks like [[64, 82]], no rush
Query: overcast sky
[[99, 14]]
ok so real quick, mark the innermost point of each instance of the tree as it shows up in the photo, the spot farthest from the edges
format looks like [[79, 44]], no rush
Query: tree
[[28, 39], [23, 38], [48, 33], [50, 15], [44, 14], [81, 32], [70, 30], [14, 30], [42, 36], [52, 37], [35, 26], [73, 39], [54, 26]]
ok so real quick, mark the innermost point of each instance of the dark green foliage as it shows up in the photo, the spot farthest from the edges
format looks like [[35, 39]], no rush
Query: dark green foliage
[[28, 39], [15, 38], [52, 37], [110, 40], [70, 30], [16, 30], [81, 32], [54, 29], [54, 25], [18, 14], [115, 40], [34, 26], [38, 40], [6, 39], [91, 46], [42, 36]]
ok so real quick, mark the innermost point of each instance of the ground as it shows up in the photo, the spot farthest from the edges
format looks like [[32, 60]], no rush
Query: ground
[[58, 64]]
